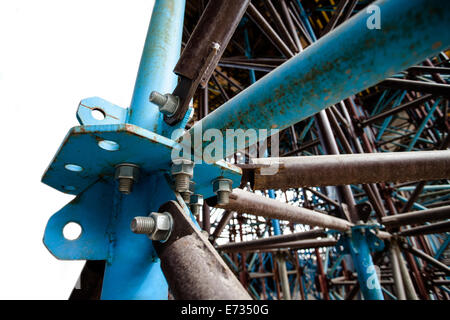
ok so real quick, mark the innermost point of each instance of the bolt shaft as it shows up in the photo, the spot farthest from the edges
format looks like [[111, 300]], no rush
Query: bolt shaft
[[158, 98], [186, 196], [196, 209], [125, 185], [143, 225], [223, 197], [182, 182]]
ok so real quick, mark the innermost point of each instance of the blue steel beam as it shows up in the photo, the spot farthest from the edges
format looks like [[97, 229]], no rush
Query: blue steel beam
[[338, 65], [159, 57]]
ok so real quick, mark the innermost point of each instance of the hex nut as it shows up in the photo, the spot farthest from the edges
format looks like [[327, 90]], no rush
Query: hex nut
[[182, 166], [222, 184], [171, 105], [163, 226], [127, 171], [167, 103]]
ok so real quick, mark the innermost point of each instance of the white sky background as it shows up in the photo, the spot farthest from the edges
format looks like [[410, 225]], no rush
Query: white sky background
[[53, 54]]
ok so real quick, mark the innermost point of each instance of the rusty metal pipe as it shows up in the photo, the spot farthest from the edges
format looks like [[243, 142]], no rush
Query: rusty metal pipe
[[305, 80], [417, 217], [331, 170], [296, 245], [248, 202], [438, 227], [192, 267]]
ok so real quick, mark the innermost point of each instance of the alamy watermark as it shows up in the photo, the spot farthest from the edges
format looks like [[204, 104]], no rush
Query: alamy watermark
[[212, 145], [374, 20], [373, 281]]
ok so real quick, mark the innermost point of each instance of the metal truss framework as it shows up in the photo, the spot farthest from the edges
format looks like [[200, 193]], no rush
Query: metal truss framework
[[359, 207]]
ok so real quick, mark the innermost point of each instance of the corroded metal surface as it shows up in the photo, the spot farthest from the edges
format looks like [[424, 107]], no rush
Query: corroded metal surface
[[327, 71], [257, 243], [417, 217], [126, 143], [193, 268], [331, 170], [244, 201]]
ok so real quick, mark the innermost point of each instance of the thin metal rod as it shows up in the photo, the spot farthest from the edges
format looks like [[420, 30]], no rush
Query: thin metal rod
[[268, 31], [408, 105], [438, 227], [258, 243], [429, 259], [396, 273], [417, 217], [428, 87], [248, 202], [408, 284]]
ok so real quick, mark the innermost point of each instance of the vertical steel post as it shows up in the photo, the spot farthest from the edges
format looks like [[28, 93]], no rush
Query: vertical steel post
[[284, 278], [159, 57], [367, 276], [136, 273], [396, 273]]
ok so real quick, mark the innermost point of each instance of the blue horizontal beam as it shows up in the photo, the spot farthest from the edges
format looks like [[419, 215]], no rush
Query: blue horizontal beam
[[342, 63]]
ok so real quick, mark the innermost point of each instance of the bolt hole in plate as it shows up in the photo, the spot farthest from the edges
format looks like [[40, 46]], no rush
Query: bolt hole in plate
[[98, 114], [73, 167], [93, 147], [72, 231], [108, 145]]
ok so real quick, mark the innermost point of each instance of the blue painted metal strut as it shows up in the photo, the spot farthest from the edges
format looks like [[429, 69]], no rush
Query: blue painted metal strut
[[359, 245], [338, 65], [159, 57]]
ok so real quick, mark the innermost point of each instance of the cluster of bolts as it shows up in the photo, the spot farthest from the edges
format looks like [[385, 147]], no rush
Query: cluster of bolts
[[159, 225]]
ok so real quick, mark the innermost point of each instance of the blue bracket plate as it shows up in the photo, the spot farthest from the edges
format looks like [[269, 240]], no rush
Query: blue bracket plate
[[89, 153]]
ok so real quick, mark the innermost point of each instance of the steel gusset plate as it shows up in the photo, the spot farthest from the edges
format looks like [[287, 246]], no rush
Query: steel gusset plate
[[90, 153]]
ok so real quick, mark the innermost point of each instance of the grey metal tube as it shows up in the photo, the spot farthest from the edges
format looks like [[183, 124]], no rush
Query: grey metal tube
[[330, 170], [396, 273], [255, 244], [282, 271], [407, 281], [248, 202], [417, 217], [301, 244], [438, 227]]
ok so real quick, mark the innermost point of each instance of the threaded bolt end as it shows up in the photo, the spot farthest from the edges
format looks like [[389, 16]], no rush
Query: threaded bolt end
[[182, 182], [143, 225], [223, 197], [195, 209], [158, 98], [125, 185], [186, 196]]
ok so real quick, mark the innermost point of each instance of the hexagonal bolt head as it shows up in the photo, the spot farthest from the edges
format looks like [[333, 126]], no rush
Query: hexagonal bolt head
[[127, 174], [196, 204], [167, 103], [182, 172], [158, 226], [222, 187]]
